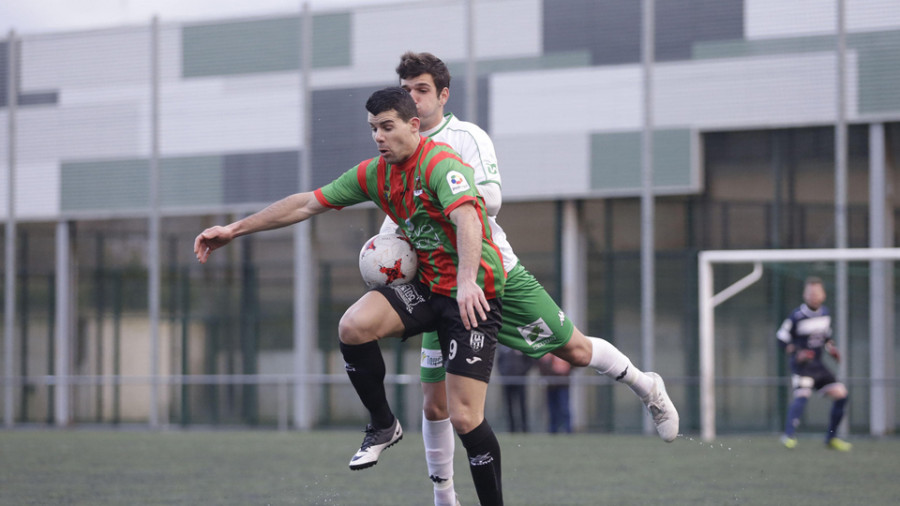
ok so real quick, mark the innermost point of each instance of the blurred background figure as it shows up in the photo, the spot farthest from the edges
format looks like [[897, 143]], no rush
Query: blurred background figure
[[557, 372], [804, 335], [512, 364]]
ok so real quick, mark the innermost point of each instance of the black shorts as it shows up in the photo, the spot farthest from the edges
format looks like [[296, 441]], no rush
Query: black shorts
[[467, 353], [813, 375]]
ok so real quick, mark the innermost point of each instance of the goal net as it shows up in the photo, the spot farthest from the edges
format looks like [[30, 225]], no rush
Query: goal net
[[799, 263]]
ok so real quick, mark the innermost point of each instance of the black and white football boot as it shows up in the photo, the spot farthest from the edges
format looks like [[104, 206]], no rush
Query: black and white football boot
[[374, 443]]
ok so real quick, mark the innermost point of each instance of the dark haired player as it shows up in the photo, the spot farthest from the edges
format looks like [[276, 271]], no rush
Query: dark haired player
[[532, 322], [430, 193]]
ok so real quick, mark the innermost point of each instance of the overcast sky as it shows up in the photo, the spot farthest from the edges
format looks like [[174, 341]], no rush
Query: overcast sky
[[41, 16]]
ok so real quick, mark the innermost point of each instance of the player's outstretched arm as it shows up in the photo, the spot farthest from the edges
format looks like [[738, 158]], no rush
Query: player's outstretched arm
[[287, 211], [470, 296]]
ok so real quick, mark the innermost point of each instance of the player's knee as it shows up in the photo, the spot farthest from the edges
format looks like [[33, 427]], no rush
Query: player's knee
[[838, 391], [577, 351], [434, 401], [465, 421], [802, 392], [434, 411], [352, 329]]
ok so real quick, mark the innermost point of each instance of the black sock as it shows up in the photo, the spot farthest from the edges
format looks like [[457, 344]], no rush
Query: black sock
[[483, 450], [365, 367], [837, 413]]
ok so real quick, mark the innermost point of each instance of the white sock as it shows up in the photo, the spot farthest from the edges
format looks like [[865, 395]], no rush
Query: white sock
[[440, 442], [609, 361], [444, 494]]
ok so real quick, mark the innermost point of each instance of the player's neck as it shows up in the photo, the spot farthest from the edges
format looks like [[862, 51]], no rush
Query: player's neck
[[427, 130], [414, 154]]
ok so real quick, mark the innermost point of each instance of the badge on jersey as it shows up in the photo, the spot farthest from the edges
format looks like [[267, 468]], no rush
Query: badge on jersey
[[457, 182], [537, 333], [476, 341]]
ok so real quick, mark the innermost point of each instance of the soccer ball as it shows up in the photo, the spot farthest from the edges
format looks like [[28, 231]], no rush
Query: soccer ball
[[387, 259]]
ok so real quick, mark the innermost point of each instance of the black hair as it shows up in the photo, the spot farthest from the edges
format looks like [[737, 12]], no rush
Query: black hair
[[392, 98], [415, 64]]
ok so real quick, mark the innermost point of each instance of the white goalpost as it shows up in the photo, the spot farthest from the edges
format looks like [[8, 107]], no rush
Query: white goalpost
[[708, 300]]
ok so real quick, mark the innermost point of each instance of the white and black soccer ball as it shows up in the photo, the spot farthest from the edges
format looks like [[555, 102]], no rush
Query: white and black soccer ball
[[387, 259]]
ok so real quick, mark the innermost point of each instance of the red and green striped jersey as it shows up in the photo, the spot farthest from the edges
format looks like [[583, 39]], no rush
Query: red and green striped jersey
[[419, 195]]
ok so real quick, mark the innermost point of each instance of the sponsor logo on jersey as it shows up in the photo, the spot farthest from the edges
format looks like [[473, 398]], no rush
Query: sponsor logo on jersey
[[408, 295], [432, 359], [417, 190], [423, 237], [537, 333], [457, 182], [476, 341], [473, 360], [562, 317], [818, 328]]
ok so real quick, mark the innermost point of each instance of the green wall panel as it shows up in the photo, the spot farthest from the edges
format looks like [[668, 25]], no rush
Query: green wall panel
[[331, 41], [616, 160], [191, 181], [186, 181], [267, 45], [112, 185], [106, 185], [879, 72]]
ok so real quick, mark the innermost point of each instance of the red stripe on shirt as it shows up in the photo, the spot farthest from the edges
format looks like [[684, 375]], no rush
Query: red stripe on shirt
[[361, 175], [322, 200], [436, 159]]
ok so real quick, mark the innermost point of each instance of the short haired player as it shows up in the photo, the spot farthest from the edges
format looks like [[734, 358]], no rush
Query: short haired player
[[804, 335], [532, 321], [431, 194]]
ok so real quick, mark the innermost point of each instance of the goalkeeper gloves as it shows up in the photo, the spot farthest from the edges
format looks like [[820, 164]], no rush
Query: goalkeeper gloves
[[805, 355]]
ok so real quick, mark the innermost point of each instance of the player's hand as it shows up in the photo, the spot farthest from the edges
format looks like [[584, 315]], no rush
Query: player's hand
[[473, 306], [805, 355], [833, 351], [210, 240]]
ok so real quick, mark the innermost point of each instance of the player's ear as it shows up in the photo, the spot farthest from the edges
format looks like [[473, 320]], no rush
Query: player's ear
[[414, 123]]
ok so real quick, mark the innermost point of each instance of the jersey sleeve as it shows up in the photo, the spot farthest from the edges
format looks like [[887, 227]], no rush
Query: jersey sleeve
[[492, 198], [477, 150], [784, 332], [347, 190], [453, 184]]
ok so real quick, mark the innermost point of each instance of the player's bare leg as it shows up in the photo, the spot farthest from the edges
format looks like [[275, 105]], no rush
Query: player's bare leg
[[466, 398], [369, 319], [437, 434], [584, 351]]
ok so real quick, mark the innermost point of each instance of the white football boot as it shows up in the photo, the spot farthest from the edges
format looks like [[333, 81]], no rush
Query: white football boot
[[665, 416]]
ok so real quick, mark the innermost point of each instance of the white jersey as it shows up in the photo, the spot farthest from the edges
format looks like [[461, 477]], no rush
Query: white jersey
[[473, 145], [476, 149]]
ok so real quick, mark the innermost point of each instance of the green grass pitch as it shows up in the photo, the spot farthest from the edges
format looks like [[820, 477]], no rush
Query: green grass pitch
[[98, 467]]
